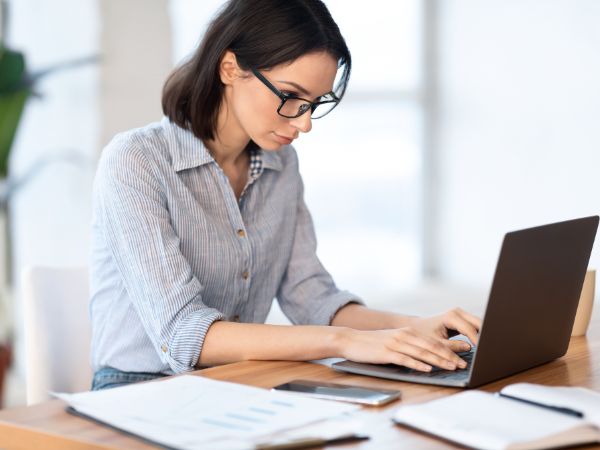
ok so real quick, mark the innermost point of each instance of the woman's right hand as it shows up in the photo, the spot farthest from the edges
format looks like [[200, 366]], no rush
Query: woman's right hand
[[404, 346]]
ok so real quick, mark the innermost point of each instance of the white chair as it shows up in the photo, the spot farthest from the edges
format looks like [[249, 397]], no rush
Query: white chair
[[57, 331]]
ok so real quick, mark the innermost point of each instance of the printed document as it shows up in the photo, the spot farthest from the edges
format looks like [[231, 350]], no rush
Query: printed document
[[189, 411]]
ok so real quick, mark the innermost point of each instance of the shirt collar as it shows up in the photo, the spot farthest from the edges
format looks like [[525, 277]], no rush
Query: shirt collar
[[188, 151], [271, 160]]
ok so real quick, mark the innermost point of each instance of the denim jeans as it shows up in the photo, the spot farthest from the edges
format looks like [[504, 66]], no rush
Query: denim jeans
[[108, 377]]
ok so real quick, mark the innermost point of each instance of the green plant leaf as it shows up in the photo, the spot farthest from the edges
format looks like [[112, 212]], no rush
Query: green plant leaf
[[16, 86], [12, 70], [11, 108], [13, 95]]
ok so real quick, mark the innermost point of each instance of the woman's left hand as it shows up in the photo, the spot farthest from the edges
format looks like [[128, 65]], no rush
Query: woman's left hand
[[441, 326]]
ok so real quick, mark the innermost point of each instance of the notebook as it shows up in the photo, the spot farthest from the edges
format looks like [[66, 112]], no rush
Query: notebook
[[536, 290], [522, 416]]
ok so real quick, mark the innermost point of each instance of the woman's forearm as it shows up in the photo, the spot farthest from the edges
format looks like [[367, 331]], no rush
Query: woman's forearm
[[357, 333], [360, 317], [228, 342]]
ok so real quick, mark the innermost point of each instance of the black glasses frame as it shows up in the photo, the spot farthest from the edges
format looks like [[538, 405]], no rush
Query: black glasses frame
[[312, 106]]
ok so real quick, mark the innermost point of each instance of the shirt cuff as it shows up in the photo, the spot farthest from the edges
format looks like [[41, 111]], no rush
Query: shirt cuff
[[329, 307], [186, 344]]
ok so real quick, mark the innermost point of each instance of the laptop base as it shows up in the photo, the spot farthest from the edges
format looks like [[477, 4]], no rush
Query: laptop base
[[441, 377]]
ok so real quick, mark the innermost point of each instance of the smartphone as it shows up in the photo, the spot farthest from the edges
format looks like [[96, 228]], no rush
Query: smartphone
[[342, 392]]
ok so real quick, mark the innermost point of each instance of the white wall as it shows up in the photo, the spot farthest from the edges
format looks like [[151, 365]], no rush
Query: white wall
[[50, 214], [519, 124], [136, 49]]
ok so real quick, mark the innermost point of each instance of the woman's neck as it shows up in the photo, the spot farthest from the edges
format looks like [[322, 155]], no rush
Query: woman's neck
[[230, 141]]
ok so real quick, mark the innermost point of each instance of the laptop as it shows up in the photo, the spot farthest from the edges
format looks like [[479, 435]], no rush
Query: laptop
[[530, 311]]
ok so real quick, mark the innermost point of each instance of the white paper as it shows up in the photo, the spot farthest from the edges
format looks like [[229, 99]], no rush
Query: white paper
[[189, 411], [327, 429]]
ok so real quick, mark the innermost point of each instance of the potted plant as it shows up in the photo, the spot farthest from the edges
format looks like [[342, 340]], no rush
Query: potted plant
[[17, 86]]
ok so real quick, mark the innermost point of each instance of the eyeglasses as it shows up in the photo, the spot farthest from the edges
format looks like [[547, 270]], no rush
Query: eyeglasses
[[292, 106]]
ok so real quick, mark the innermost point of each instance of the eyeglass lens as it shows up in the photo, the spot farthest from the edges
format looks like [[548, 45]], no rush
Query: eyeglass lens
[[294, 107]]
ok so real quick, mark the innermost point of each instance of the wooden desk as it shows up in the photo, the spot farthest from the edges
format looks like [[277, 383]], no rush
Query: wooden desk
[[48, 426]]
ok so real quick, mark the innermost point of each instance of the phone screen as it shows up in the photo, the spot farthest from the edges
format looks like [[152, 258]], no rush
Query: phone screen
[[343, 392]]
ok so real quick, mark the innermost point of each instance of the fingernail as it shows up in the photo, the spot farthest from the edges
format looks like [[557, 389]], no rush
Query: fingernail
[[462, 364], [426, 368]]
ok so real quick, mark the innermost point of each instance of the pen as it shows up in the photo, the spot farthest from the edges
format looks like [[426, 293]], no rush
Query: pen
[[310, 442], [560, 409]]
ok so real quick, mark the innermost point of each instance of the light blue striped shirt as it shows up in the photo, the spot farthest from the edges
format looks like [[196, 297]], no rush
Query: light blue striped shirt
[[173, 250]]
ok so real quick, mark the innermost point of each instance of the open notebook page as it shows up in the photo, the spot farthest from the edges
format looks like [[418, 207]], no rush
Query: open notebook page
[[577, 398], [483, 420]]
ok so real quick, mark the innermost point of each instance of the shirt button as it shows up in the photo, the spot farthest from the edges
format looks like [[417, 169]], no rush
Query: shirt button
[[241, 233], [245, 274], [164, 348]]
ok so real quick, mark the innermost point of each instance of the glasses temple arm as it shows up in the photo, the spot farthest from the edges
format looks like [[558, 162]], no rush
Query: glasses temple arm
[[268, 84]]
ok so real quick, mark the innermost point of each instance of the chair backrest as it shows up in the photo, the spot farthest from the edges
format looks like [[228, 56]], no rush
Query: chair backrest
[[57, 331]]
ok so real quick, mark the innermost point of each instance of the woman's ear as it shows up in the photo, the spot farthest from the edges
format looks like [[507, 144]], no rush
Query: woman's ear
[[229, 70]]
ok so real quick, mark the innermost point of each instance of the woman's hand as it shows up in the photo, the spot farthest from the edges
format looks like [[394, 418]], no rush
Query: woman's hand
[[455, 321], [409, 347]]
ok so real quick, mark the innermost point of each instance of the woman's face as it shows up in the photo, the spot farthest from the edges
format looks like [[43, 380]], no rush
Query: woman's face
[[253, 106]]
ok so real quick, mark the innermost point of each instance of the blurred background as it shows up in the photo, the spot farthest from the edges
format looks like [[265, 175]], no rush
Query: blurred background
[[463, 120]]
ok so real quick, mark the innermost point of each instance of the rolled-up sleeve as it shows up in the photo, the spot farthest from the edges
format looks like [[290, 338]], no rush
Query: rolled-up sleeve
[[146, 250], [308, 294]]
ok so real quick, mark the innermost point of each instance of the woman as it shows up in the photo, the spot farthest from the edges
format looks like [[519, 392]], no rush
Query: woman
[[199, 220]]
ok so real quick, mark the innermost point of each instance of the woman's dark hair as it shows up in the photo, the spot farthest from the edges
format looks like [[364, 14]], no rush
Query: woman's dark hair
[[262, 34]]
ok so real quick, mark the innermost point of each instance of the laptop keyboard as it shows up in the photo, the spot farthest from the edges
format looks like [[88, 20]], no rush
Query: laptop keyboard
[[436, 372]]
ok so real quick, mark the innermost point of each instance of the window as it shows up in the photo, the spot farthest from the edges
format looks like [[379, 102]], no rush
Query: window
[[362, 164]]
